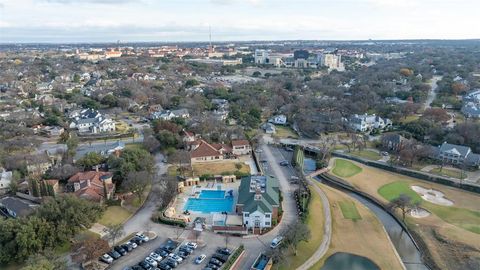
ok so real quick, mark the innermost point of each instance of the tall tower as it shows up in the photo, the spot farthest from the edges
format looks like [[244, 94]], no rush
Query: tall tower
[[210, 47]]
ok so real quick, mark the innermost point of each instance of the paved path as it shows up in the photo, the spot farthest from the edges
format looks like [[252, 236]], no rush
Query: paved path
[[433, 93]]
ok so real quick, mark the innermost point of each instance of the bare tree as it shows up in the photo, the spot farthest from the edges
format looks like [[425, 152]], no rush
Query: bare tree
[[92, 248], [114, 231], [137, 183], [402, 202], [294, 234]]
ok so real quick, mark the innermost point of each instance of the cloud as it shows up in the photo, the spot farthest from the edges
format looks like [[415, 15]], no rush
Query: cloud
[[231, 2], [90, 1]]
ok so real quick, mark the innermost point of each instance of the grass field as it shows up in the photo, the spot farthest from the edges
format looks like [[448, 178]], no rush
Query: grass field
[[449, 173], [450, 233], [372, 155], [285, 132], [134, 146], [393, 190], [409, 119], [364, 237], [349, 210], [345, 168], [314, 221], [219, 167], [114, 215]]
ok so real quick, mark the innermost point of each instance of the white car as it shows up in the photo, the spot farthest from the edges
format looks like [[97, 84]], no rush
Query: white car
[[192, 245], [155, 256], [276, 241], [175, 257], [133, 244], [144, 238], [200, 259], [151, 261], [106, 258]]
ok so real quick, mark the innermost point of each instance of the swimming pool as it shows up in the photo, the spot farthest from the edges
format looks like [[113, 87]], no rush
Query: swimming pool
[[210, 201]]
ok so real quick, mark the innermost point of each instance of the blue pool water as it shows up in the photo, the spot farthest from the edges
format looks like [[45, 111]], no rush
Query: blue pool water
[[210, 201]]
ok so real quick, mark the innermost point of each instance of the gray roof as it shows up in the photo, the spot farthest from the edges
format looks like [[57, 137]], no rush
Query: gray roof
[[393, 138], [16, 206], [462, 150]]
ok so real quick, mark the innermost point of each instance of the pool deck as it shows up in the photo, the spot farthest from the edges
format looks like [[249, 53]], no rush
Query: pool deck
[[183, 197]]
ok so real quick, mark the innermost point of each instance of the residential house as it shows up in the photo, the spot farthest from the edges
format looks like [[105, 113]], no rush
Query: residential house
[[105, 150], [457, 155], [15, 207], [367, 122], [44, 87], [473, 96], [170, 114], [269, 128], [278, 120], [241, 147], [393, 141], [5, 179], [258, 201], [91, 121], [54, 131], [93, 185], [188, 136], [38, 164], [201, 151], [471, 109]]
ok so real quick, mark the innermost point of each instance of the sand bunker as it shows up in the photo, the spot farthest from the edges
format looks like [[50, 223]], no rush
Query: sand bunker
[[433, 196], [419, 213]]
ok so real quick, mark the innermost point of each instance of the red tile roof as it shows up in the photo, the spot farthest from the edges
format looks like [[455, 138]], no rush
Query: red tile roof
[[240, 142], [94, 191], [205, 150]]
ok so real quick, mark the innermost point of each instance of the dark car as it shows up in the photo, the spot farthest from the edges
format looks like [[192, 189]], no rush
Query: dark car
[[161, 252], [171, 262], [221, 257], [137, 267], [224, 251], [145, 265], [127, 247], [289, 149], [137, 240], [164, 266], [120, 250], [284, 163], [215, 261], [115, 255], [213, 266], [186, 249], [182, 254]]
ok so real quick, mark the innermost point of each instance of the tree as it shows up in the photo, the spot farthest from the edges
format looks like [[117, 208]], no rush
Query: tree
[[151, 144], [72, 144], [402, 202], [294, 234], [47, 260], [438, 115], [137, 183], [114, 231], [92, 248], [90, 159]]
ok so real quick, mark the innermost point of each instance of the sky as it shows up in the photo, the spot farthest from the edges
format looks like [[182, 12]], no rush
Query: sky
[[232, 20]]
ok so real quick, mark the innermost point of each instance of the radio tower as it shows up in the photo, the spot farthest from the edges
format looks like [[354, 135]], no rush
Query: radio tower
[[210, 49]]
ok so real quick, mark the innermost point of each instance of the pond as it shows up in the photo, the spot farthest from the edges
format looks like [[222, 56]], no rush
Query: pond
[[309, 165], [347, 261]]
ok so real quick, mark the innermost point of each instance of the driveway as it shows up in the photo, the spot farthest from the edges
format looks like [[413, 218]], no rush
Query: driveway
[[433, 93]]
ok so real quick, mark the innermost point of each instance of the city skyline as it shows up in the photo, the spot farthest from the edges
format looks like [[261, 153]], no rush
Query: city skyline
[[234, 20]]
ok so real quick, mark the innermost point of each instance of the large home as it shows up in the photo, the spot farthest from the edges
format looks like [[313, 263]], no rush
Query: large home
[[278, 120], [93, 185], [471, 109], [201, 151], [457, 155], [258, 201], [241, 147], [92, 121], [170, 114], [473, 96], [365, 122], [393, 141], [105, 149]]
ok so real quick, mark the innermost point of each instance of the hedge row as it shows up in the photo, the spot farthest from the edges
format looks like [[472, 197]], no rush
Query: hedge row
[[229, 263]]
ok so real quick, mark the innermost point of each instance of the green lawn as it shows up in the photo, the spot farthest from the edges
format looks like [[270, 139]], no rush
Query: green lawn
[[372, 155], [134, 146], [449, 173], [285, 132], [345, 168], [114, 215], [349, 210], [393, 190], [461, 217], [314, 221]]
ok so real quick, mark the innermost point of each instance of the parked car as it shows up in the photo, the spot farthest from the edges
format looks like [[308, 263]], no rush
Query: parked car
[[289, 149], [164, 266], [115, 255], [137, 240], [106, 258], [224, 251], [171, 262], [161, 252], [200, 259], [276, 241], [145, 265], [137, 267], [385, 154], [221, 257], [192, 245], [213, 266], [151, 261], [175, 257], [186, 249], [132, 244], [258, 150], [155, 256], [182, 254], [120, 250], [216, 262], [127, 247], [143, 237], [284, 163]]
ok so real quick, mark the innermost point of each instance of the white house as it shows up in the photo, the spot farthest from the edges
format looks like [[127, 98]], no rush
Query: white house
[[278, 120], [169, 115], [91, 121], [457, 154], [366, 122], [5, 179]]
